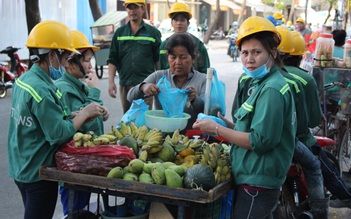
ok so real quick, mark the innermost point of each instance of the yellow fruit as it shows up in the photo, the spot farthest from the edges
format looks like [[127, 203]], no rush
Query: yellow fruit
[[186, 152], [191, 160]]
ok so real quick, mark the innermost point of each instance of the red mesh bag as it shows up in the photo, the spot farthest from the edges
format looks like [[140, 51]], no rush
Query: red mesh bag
[[95, 160]]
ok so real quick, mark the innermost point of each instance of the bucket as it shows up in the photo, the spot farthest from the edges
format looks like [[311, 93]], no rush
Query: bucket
[[141, 216]]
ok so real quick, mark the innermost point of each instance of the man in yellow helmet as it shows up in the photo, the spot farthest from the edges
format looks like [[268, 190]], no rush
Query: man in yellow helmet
[[279, 18], [181, 15], [301, 28], [133, 52]]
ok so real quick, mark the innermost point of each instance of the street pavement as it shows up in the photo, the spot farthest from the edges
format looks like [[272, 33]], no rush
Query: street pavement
[[228, 71]]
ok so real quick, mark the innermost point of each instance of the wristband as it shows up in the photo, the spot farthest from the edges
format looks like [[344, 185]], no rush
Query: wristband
[[217, 130]]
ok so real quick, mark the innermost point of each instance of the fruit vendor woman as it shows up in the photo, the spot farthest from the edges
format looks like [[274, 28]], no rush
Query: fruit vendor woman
[[181, 74]]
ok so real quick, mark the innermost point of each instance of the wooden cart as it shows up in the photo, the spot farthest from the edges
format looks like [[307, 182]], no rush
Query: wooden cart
[[179, 197]]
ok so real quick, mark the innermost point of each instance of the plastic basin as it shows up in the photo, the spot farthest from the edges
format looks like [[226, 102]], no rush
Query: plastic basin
[[155, 119]]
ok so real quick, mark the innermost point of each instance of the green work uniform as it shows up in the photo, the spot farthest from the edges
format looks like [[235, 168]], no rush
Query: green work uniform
[[76, 95], [134, 55], [269, 117], [313, 107], [201, 61], [38, 125]]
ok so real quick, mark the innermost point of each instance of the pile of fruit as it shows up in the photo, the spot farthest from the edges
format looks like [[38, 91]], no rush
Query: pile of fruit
[[173, 160]]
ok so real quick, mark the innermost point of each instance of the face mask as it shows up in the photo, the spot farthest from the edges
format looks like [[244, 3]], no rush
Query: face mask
[[258, 72], [279, 22], [56, 73]]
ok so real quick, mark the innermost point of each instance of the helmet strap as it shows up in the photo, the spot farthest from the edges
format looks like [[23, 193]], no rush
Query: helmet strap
[[77, 61]]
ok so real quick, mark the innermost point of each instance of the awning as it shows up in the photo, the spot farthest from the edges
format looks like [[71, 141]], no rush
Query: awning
[[110, 18], [223, 4]]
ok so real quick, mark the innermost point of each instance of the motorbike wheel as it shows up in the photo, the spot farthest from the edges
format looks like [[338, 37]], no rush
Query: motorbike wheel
[[286, 207], [101, 73], [344, 153], [3, 92]]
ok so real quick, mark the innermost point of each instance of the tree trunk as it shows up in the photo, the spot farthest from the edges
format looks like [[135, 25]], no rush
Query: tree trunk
[[95, 9], [328, 15], [306, 6], [33, 18], [241, 15], [32, 14], [292, 11], [213, 24]]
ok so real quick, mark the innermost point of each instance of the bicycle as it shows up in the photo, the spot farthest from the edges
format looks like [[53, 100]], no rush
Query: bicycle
[[336, 125]]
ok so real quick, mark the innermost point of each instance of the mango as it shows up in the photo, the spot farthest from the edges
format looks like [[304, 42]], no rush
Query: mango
[[168, 164], [148, 167], [167, 153], [131, 143], [136, 166], [131, 177], [116, 172], [145, 178], [158, 174], [173, 179], [178, 169]]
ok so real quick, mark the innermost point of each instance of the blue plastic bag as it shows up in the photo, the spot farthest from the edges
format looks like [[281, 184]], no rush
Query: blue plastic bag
[[173, 100], [217, 96], [136, 113], [202, 116]]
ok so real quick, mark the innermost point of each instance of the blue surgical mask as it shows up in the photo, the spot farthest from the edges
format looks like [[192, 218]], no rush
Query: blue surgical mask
[[56, 73], [258, 72], [279, 22]]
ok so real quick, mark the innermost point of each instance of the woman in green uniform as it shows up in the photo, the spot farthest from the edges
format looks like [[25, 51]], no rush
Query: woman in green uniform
[[264, 134], [76, 95], [39, 121]]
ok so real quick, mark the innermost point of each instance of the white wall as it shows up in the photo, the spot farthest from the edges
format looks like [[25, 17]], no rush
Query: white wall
[[14, 24]]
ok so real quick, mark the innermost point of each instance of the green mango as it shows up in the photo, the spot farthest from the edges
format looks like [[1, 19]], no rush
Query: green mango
[[158, 174], [136, 166], [116, 172], [178, 169], [168, 164], [130, 177], [173, 179], [145, 178], [148, 167]]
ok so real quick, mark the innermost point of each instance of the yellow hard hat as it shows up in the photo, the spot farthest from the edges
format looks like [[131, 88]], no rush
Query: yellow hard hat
[[277, 15], [256, 24], [137, 2], [51, 35], [80, 41], [289, 23], [287, 43], [300, 20], [299, 44], [179, 7]]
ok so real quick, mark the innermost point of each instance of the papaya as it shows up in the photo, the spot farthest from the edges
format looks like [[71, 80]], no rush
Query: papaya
[[145, 178], [167, 153], [116, 172], [136, 166]]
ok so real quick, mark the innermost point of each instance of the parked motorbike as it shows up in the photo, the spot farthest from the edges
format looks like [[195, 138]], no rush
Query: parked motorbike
[[8, 76], [218, 34], [293, 201]]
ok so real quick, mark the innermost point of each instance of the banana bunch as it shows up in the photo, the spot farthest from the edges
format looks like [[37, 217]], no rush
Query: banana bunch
[[129, 129], [223, 170], [90, 139], [152, 142]]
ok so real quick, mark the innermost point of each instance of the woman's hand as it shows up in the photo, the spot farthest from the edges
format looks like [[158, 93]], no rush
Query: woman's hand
[[105, 114], [227, 122], [207, 126], [192, 93], [92, 111], [149, 89], [92, 80]]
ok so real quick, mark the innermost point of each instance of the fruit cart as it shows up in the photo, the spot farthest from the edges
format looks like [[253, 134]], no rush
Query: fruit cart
[[208, 202], [102, 31]]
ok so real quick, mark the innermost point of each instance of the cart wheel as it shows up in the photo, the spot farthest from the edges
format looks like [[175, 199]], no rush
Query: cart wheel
[[99, 74]]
